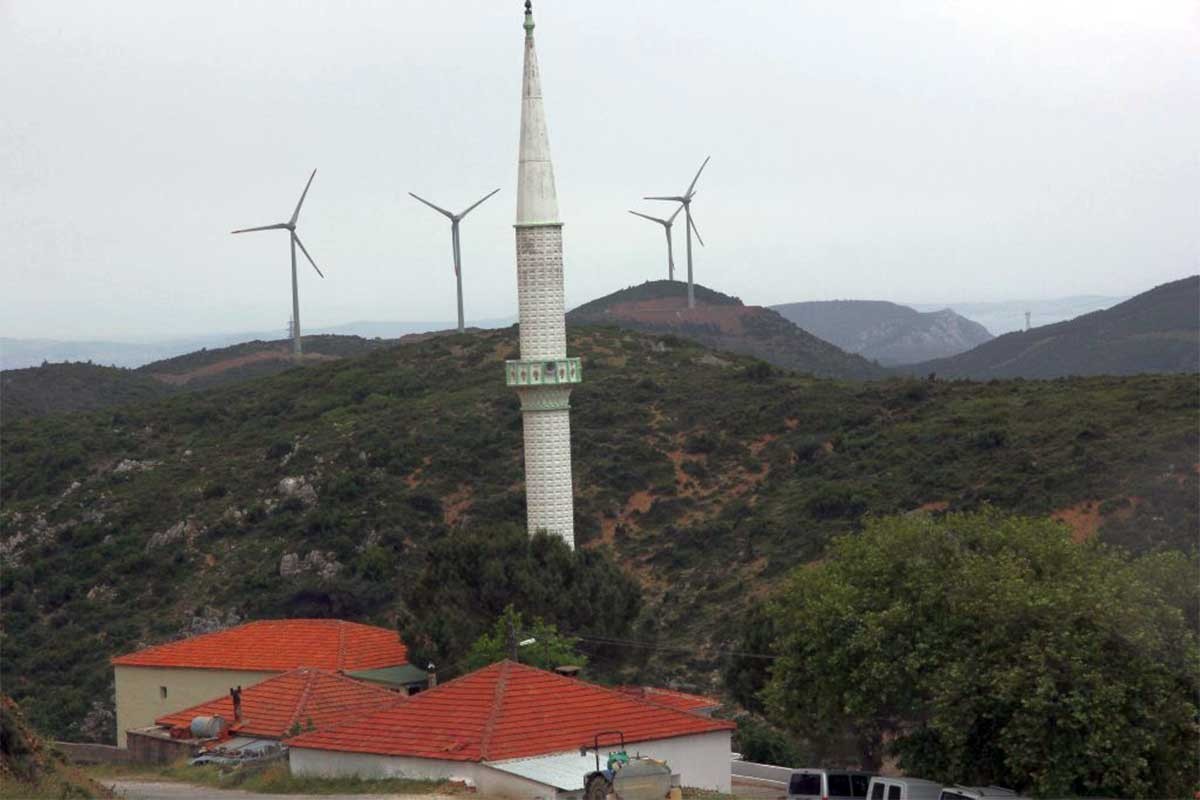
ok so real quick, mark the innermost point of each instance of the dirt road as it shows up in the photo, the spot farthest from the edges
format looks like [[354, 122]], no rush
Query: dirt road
[[169, 790]]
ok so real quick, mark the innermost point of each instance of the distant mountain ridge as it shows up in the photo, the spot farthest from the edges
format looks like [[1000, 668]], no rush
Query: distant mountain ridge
[[1156, 331], [886, 332], [724, 323], [1006, 316]]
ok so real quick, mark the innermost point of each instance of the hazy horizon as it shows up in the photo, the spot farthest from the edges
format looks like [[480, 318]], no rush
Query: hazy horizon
[[929, 153]]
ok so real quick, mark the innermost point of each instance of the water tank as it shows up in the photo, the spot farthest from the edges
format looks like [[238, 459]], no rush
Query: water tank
[[208, 727]]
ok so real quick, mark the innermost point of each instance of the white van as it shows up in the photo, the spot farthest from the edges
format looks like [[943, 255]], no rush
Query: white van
[[978, 793], [828, 784], [903, 789]]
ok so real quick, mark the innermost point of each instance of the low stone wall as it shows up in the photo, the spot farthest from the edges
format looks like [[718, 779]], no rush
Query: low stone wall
[[91, 753]]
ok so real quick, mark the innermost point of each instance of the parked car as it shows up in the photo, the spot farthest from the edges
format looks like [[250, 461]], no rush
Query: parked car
[[978, 793], [903, 789], [828, 784]]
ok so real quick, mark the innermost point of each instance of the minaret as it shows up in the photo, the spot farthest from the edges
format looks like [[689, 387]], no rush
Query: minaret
[[544, 375]]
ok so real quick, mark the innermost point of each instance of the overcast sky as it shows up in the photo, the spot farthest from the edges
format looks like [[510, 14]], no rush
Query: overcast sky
[[911, 151]]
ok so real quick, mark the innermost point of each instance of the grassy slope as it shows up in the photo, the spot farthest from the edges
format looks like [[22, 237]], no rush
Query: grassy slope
[[708, 477], [29, 769], [53, 388], [765, 333], [1156, 331]]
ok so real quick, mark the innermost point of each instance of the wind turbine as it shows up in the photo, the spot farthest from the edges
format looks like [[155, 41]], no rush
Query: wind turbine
[[685, 200], [666, 223], [456, 249], [290, 227]]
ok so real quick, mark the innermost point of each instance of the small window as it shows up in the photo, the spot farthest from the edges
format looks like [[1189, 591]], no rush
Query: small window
[[805, 784], [893, 793], [877, 792], [839, 786], [860, 784], [162, 692]]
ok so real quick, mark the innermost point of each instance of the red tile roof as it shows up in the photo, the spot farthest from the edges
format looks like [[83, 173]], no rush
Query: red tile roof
[[279, 645], [506, 710], [684, 701], [301, 696]]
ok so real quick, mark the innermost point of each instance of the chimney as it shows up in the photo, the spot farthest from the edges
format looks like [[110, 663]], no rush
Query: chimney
[[568, 670], [431, 681]]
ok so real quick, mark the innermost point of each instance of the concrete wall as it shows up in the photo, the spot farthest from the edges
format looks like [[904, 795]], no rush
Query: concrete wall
[[701, 760], [488, 781], [139, 692]]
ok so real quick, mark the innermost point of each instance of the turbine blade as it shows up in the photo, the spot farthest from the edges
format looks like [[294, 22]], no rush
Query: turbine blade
[[671, 218], [673, 199], [296, 213], [472, 207], [436, 208], [296, 239], [280, 226], [647, 216], [695, 230], [688, 193]]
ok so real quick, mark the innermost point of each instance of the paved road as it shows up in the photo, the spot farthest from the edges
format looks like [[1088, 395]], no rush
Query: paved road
[[169, 790]]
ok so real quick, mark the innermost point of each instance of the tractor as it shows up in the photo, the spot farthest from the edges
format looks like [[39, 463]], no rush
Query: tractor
[[625, 777]]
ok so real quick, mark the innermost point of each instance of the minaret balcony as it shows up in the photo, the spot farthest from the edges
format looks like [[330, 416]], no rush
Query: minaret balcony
[[543, 372]]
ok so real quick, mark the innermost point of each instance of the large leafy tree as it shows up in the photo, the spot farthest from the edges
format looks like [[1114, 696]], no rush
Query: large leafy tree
[[536, 642], [992, 649]]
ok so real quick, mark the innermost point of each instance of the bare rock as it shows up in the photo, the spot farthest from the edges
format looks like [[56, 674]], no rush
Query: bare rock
[[299, 488], [133, 465], [324, 565], [183, 531], [101, 593], [211, 620]]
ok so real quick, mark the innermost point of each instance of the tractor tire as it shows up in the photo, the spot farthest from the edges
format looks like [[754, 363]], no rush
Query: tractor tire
[[597, 788]]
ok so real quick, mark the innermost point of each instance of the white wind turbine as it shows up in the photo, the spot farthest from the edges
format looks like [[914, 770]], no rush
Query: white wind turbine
[[666, 223], [685, 200], [290, 227], [456, 249]]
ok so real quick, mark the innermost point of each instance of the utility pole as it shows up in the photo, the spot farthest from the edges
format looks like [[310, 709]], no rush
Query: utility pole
[[512, 641]]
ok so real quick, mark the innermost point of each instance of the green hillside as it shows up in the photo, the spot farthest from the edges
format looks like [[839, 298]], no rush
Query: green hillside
[[708, 476], [67, 387], [53, 388], [1156, 331], [723, 323]]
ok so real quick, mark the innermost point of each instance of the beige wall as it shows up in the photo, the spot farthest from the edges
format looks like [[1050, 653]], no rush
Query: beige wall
[[488, 781], [140, 700]]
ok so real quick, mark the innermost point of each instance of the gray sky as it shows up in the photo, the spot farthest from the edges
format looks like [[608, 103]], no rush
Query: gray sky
[[914, 151]]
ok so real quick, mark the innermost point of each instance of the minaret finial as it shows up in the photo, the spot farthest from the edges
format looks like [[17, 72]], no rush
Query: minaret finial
[[528, 17]]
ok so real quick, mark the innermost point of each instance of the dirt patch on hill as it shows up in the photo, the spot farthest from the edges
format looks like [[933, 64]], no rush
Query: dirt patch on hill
[[456, 504], [224, 365], [673, 312], [638, 502], [1082, 518]]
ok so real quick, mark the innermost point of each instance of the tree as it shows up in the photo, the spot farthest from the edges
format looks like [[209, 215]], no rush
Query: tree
[[549, 648], [992, 649]]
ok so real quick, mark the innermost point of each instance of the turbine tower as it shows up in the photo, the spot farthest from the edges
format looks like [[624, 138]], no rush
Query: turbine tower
[[685, 200], [666, 223], [455, 247], [290, 226], [543, 376], [1027, 315]]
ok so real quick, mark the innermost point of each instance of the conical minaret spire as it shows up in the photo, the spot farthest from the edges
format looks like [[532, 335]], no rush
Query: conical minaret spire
[[544, 375]]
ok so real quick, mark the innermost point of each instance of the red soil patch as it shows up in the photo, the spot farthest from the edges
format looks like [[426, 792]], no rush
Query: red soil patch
[[413, 479], [1082, 518], [935, 505], [791, 423], [639, 502], [456, 504]]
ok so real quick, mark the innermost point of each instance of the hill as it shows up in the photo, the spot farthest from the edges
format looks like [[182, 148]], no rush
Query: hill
[[1006, 316], [323, 491], [886, 332], [1156, 331], [54, 388], [57, 388], [723, 323], [31, 769]]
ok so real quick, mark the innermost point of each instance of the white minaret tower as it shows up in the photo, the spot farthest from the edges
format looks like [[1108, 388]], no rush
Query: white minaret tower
[[544, 376]]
